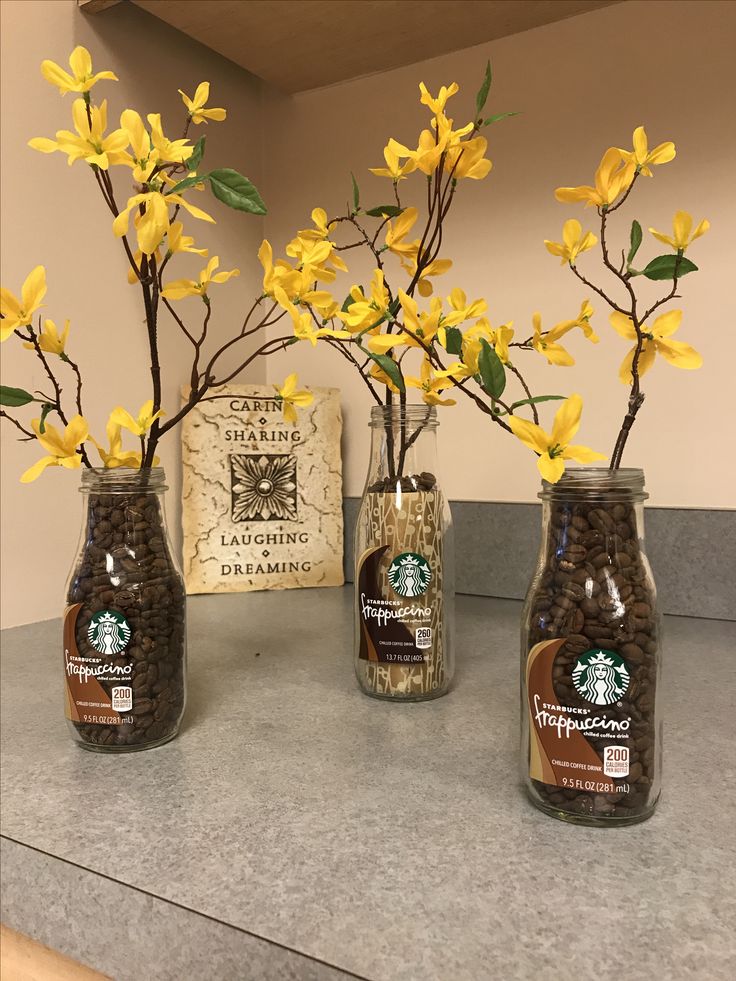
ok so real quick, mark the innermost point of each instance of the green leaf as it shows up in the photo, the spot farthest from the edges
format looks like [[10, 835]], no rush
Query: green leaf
[[492, 372], [348, 302], [236, 191], [196, 158], [385, 211], [532, 401], [48, 407], [635, 241], [356, 192], [391, 368], [498, 116], [187, 182], [480, 99], [454, 338], [15, 396], [664, 266]]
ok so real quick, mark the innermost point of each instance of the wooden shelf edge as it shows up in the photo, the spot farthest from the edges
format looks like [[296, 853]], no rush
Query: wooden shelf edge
[[96, 6]]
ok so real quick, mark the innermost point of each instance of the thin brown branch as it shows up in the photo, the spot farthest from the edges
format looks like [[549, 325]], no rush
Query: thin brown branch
[[515, 371], [599, 291], [28, 434]]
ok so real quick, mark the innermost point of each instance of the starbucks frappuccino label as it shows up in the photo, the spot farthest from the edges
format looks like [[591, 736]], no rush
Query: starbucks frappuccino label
[[98, 688], [399, 606], [583, 742]]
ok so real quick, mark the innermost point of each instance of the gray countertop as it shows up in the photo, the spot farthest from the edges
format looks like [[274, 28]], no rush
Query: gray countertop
[[297, 829]]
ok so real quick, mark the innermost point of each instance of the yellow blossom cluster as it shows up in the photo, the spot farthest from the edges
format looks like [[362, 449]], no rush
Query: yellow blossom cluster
[[162, 170]]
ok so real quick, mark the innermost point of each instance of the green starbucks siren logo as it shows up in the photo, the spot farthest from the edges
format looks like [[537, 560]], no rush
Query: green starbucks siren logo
[[108, 632], [409, 574], [600, 677]]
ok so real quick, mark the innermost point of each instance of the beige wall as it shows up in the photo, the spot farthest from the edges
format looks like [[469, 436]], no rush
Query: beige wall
[[583, 84], [52, 214]]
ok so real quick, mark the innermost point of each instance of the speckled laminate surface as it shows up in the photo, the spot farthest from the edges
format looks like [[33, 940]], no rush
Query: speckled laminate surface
[[297, 829]]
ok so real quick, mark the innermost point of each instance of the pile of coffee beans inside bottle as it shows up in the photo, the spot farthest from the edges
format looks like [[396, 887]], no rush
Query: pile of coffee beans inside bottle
[[416, 482], [125, 565], [596, 592]]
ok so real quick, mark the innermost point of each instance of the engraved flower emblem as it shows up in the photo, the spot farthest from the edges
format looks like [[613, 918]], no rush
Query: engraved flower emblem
[[264, 487]]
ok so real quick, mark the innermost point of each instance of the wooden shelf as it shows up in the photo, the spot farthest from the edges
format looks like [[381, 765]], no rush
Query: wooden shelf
[[303, 44]]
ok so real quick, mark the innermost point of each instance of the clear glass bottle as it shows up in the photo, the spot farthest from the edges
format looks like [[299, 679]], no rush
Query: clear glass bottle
[[591, 655], [125, 621], [404, 562]]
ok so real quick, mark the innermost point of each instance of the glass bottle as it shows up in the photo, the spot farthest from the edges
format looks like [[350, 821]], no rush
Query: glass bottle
[[591, 655], [125, 621], [404, 575]]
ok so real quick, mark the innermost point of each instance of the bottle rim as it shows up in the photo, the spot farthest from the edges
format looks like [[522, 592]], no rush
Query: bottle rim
[[585, 483], [123, 480], [413, 413]]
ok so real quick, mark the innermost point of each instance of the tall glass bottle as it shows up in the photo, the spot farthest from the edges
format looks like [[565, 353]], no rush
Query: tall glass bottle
[[125, 621], [591, 655], [404, 562]]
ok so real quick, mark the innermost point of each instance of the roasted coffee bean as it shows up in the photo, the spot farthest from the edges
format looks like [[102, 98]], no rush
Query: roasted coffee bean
[[602, 520], [573, 591], [575, 553]]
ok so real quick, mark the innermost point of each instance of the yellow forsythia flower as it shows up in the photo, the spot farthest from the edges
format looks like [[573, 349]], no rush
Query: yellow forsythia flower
[[461, 309], [196, 105], [81, 79], [682, 225], [290, 398], [394, 168], [437, 103], [546, 342], [19, 313], [423, 326], [656, 341], [641, 156], [554, 448], [49, 339], [179, 242], [396, 232], [611, 179], [436, 268], [116, 456], [468, 159], [321, 229], [172, 151], [573, 242], [62, 448], [498, 337], [89, 142], [153, 225], [365, 311], [582, 321], [305, 328], [140, 426], [189, 287], [431, 384]]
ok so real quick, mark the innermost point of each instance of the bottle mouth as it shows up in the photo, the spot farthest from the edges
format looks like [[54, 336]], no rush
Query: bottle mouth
[[414, 414], [123, 480], [591, 483]]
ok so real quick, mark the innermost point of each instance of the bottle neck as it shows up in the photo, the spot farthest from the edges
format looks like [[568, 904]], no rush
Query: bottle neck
[[403, 448], [123, 481], [588, 485]]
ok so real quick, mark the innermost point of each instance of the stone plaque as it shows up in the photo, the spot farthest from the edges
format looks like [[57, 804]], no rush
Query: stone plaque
[[262, 499]]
